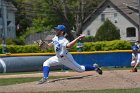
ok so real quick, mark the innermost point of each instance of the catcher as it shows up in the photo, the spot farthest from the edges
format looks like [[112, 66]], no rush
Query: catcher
[[135, 58]]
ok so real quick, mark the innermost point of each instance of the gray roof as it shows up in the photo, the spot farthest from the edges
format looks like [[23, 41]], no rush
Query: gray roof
[[129, 13], [120, 6]]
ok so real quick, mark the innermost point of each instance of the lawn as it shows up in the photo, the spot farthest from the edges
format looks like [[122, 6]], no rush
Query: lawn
[[136, 90]]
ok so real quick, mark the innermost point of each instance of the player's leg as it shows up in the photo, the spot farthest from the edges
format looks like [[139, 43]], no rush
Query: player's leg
[[133, 63], [135, 67], [53, 61], [72, 64], [137, 64]]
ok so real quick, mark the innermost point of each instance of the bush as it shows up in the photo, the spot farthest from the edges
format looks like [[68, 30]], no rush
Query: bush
[[24, 49], [88, 46], [107, 45], [107, 32], [11, 41]]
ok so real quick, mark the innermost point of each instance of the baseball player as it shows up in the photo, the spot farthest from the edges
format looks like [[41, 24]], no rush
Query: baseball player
[[135, 58], [137, 43], [63, 57]]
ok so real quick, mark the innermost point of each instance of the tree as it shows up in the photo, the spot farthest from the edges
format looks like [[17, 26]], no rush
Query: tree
[[71, 13], [107, 32], [27, 10]]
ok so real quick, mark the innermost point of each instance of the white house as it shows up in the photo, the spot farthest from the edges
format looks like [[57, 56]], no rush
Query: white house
[[7, 19], [125, 19]]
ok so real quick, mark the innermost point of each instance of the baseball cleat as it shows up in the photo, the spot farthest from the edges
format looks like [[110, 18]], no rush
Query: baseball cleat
[[43, 80], [99, 71]]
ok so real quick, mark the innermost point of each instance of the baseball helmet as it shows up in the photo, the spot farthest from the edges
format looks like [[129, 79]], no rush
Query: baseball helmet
[[135, 48], [60, 27]]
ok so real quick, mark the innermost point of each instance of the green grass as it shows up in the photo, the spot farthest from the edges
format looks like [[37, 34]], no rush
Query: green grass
[[11, 81], [137, 90]]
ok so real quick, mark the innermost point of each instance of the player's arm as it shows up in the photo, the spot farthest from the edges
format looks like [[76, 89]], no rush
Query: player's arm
[[72, 43]]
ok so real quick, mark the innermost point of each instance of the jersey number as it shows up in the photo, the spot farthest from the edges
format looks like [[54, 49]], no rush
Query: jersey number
[[58, 47]]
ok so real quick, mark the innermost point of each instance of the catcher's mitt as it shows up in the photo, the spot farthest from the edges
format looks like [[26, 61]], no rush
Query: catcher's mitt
[[134, 70], [43, 44]]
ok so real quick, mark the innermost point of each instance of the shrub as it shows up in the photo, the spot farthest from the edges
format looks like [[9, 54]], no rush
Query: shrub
[[88, 46], [107, 45], [107, 32]]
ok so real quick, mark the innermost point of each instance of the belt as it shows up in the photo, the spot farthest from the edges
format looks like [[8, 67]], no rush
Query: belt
[[63, 55]]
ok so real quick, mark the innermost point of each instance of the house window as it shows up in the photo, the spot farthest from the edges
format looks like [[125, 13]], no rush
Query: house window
[[108, 6], [131, 32], [88, 32], [102, 17], [115, 17]]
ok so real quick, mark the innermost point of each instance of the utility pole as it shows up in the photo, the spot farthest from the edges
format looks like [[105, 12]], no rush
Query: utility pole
[[4, 25], [65, 9], [139, 20]]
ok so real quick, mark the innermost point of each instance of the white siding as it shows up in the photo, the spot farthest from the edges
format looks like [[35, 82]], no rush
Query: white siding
[[122, 24]]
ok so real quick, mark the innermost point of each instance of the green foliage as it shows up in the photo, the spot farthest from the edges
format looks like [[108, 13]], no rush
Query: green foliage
[[39, 25], [89, 39], [52, 12], [107, 32], [11, 41], [22, 49], [1, 47], [19, 41], [108, 45], [88, 46], [25, 49], [1, 41]]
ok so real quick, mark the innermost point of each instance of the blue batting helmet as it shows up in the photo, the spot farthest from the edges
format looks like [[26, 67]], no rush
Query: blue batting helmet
[[135, 48], [60, 27]]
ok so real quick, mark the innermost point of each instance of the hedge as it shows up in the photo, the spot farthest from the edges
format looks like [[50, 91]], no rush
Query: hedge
[[107, 45], [88, 46]]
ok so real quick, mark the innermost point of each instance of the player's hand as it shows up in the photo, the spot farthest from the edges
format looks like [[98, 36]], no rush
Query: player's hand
[[81, 36]]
